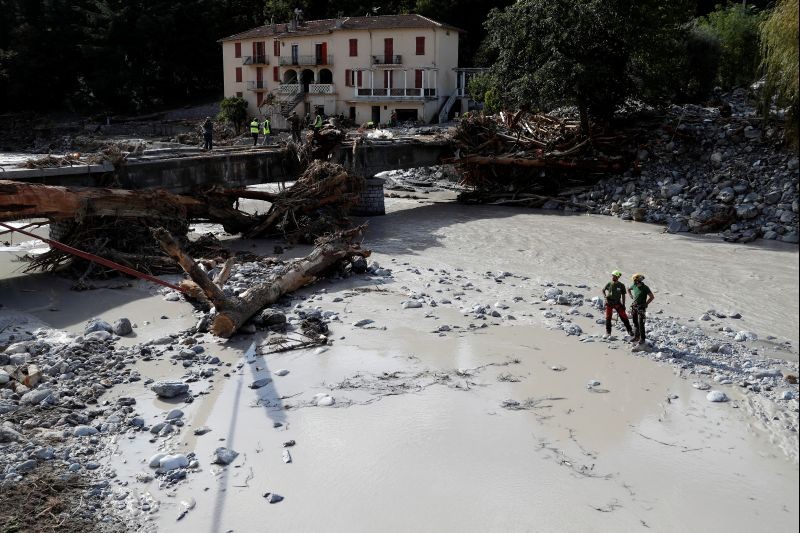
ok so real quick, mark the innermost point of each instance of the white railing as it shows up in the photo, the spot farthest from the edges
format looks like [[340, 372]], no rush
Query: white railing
[[361, 92], [448, 105], [320, 88], [289, 88]]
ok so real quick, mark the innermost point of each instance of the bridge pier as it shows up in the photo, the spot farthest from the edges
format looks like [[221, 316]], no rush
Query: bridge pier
[[370, 201]]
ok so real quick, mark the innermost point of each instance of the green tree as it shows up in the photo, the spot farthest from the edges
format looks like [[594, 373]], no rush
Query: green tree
[[701, 63], [234, 110], [736, 27], [781, 59], [589, 53]]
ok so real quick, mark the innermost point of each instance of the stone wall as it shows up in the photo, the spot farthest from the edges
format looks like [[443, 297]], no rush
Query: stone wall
[[370, 202]]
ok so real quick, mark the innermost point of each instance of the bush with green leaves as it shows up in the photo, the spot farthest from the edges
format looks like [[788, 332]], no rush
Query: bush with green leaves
[[736, 27], [234, 110], [780, 52], [701, 63]]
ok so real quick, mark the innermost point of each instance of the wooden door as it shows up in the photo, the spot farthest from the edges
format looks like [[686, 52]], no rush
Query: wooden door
[[388, 50]]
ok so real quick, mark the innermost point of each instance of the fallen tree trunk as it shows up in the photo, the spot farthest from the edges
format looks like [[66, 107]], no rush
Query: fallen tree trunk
[[20, 200], [232, 311]]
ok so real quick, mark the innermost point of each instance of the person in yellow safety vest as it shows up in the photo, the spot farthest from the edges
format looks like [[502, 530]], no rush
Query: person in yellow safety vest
[[266, 131], [254, 127], [318, 122]]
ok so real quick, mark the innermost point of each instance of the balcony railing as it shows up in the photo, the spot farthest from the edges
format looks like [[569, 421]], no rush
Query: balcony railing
[[306, 60], [320, 88], [415, 93], [256, 60], [257, 85], [387, 60], [289, 88]]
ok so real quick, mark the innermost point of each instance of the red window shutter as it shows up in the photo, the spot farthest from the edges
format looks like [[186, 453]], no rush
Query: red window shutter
[[237, 49], [276, 48], [353, 47], [239, 74], [420, 46], [348, 78], [418, 79], [360, 78], [275, 74]]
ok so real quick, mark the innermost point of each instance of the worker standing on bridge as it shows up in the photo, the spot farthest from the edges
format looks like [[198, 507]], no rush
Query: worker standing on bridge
[[208, 134], [254, 127], [265, 129]]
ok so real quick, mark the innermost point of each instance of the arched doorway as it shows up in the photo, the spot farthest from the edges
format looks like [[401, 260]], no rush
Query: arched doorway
[[290, 76], [306, 79], [325, 76]]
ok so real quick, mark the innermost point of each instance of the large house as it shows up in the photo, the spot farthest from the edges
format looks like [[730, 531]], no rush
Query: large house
[[364, 68]]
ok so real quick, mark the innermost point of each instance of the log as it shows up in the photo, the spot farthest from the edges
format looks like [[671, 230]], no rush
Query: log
[[232, 312]]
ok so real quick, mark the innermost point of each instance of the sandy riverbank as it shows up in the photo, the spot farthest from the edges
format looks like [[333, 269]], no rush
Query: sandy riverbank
[[425, 433]]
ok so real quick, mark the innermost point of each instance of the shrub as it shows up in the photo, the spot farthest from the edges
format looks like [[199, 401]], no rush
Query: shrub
[[233, 110], [736, 27], [781, 58], [701, 64]]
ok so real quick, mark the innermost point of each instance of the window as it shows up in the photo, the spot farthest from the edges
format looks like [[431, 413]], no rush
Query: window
[[238, 94], [237, 49], [259, 99], [418, 79], [360, 79], [239, 74], [276, 48], [353, 47], [275, 74], [420, 46], [348, 77]]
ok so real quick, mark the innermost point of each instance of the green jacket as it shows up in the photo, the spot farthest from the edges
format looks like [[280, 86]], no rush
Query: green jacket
[[254, 126], [318, 122], [265, 127]]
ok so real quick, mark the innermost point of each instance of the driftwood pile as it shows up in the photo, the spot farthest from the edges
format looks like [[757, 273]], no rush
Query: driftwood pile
[[115, 223], [527, 159]]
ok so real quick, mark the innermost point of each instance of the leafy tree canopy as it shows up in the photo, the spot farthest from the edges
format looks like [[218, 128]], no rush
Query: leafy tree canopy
[[589, 53]]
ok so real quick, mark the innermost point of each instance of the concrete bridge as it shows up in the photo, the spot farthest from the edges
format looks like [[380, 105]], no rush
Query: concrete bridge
[[181, 171]]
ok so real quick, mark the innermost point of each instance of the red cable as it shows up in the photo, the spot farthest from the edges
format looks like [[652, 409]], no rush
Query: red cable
[[95, 259]]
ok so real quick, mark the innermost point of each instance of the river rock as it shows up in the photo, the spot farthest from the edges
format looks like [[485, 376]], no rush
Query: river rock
[[174, 414], [325, 401], [84, 431], [98, 324], [281, 372], [5, 377], [716, 396], [169, 388], [122, 327], [224, 456], [412, 304], [171, 462], [36, 396], [257, 384], [17, 347]]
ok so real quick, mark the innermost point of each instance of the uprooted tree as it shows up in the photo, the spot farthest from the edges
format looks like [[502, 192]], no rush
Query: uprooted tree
[[116, 223], [233, 311]]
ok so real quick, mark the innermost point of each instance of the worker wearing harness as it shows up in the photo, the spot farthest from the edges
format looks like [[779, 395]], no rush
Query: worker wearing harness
[[641, 296], [254, 127], [614, 292]]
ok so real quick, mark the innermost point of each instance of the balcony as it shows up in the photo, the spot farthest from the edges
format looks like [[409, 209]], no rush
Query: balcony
[[289, 88], [387, 60], [255, 60], [302, 61], [396, 94], [257, 85], [320, 88]]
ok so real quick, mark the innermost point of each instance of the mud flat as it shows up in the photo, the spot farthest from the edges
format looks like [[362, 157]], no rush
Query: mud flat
[[458, 395]]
